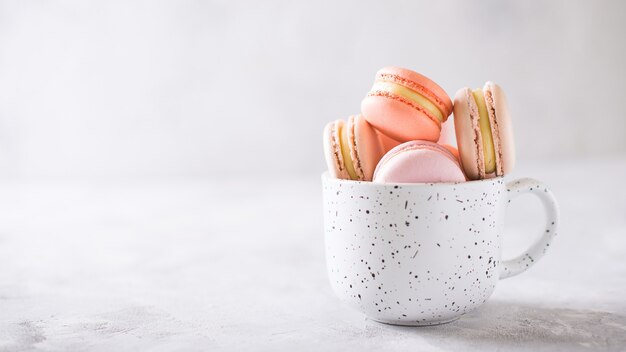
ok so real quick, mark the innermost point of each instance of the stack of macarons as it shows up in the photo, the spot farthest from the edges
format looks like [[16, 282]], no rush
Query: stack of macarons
[[398, 136]]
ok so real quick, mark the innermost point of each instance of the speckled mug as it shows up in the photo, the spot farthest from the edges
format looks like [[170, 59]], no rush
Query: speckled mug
[[423, 254]]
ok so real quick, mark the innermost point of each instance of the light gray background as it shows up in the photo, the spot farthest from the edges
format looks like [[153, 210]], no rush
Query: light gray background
[[160, 161], [117, 89]]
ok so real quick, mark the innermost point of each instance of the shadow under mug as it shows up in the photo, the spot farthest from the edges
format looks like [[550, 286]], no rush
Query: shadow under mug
[[423, 254]]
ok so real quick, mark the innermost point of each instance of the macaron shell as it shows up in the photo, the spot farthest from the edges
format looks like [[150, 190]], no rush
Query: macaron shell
[[452, 150], [366, 149], [447, 135], [418, 162], [395, 117], [332, 150], [468, 135], [421, 84], [353, 149], [386, 142], [502, 129]]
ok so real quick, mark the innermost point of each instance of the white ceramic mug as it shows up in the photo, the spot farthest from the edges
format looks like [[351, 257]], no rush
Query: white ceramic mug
[[423, 254]]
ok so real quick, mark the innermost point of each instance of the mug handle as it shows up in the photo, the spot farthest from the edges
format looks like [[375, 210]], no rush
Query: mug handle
[[514, 266]]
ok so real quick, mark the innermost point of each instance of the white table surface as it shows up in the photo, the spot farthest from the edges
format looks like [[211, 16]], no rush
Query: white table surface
[[239, 265]]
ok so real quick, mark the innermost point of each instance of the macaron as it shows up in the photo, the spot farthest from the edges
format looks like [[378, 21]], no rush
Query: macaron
[[419, 162], [448, 134], [484, 132], [405, 105], [353, 148]]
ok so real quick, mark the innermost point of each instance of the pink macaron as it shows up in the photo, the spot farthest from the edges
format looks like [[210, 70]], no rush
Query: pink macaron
[[406, 105], [484, 132], [419, 162], [353, 148]]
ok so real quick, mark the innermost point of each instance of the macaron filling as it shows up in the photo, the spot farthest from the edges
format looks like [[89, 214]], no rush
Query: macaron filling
[[409, 94], [345, 151], [497, 144], [485, 131]]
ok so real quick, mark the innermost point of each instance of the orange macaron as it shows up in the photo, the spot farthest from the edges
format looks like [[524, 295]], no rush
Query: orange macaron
[[354, 148], [484, 132], [406, 105]]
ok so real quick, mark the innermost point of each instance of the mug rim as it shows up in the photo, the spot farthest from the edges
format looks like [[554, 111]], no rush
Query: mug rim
[[327, 178]]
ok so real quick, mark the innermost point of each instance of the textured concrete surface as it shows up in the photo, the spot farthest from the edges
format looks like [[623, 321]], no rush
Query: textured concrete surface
[[239, 265]]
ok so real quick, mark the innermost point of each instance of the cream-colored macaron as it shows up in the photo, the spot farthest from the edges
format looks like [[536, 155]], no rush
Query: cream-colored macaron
[[353, 148], [484, 132]]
